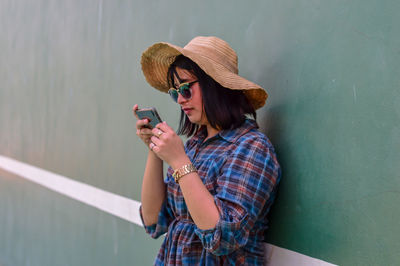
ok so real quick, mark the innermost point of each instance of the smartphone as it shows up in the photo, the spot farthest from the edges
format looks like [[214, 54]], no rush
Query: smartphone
[[151, 114]]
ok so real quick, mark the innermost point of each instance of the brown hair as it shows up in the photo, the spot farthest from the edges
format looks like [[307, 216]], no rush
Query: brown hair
[[224, 108]]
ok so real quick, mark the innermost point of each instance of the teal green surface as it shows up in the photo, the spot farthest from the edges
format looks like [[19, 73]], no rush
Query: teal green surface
[[41, 227], [335, 123], [70, 75]]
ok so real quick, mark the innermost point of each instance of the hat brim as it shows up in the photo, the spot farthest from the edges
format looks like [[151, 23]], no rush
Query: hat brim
[[157, 59]]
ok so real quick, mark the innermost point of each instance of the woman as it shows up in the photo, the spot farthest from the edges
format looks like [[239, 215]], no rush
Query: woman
[[221, 184]]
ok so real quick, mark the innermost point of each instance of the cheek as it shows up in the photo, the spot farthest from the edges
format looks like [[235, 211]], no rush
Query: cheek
[[198, 97]]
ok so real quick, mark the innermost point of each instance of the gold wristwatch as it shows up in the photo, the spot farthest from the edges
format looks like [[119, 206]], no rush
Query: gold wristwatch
[[184, 170]]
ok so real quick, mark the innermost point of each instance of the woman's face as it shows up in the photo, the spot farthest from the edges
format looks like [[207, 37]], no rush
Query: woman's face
[[193, 107]]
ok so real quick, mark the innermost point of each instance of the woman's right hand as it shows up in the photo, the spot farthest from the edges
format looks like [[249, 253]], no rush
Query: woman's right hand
[[142, 131]]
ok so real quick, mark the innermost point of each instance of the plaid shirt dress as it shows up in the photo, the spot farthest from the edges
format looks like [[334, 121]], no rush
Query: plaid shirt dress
[[240, 169]]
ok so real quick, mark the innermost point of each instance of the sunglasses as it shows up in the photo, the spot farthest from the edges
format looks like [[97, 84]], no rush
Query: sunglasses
[[185, 89]]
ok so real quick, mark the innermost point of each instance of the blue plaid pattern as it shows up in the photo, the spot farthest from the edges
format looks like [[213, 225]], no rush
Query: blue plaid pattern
[[240, 169]]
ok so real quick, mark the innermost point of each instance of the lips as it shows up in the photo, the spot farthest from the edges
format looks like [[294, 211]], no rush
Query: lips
[[187, 110]]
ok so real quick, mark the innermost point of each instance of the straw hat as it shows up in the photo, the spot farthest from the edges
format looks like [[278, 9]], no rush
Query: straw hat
[[213, 55]]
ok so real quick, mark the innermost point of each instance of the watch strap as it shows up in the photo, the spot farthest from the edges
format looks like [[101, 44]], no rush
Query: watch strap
[[183, 170]]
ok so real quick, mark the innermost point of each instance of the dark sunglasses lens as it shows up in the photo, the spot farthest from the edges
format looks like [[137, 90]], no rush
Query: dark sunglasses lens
[[186, 92], [174, 94]]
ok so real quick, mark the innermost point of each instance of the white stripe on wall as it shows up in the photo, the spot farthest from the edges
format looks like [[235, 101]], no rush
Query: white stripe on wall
[[119, 206], [277, 256], [125, 208]]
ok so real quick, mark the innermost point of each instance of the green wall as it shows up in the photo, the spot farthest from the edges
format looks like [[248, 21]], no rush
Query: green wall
[[70, 73]]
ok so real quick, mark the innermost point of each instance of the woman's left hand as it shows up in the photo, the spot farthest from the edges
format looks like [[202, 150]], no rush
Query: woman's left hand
[[168, 146]]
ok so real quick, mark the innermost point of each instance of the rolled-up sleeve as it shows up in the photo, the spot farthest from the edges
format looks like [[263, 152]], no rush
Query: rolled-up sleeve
[[246, 181], [164, 219]]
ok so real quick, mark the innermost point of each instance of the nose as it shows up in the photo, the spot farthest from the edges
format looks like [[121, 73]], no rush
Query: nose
[[181, 100]]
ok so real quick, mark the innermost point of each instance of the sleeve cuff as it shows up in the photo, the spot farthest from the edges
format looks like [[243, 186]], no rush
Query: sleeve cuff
[[159, 228], [229, 234]]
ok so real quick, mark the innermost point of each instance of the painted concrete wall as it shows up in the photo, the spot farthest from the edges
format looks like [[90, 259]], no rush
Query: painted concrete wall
[[70, 73]]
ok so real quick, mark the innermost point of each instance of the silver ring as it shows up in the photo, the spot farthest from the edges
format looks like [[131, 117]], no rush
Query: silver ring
[[151, 146]]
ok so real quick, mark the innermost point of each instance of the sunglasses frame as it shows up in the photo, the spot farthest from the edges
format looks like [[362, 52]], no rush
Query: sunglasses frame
[[180, 88]]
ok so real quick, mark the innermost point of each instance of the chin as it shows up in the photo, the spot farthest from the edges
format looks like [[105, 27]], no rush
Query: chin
[[193, 120]]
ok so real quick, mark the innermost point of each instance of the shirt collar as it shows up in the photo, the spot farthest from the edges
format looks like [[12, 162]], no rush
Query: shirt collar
[[231, 135], [200, 135]]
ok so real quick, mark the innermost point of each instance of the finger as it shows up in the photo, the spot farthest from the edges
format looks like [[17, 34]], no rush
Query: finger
[[151, 145], [156, 141], [134, 109], [156, 149], [145, 131], [142, 123], [157, 132], [165, 127]]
